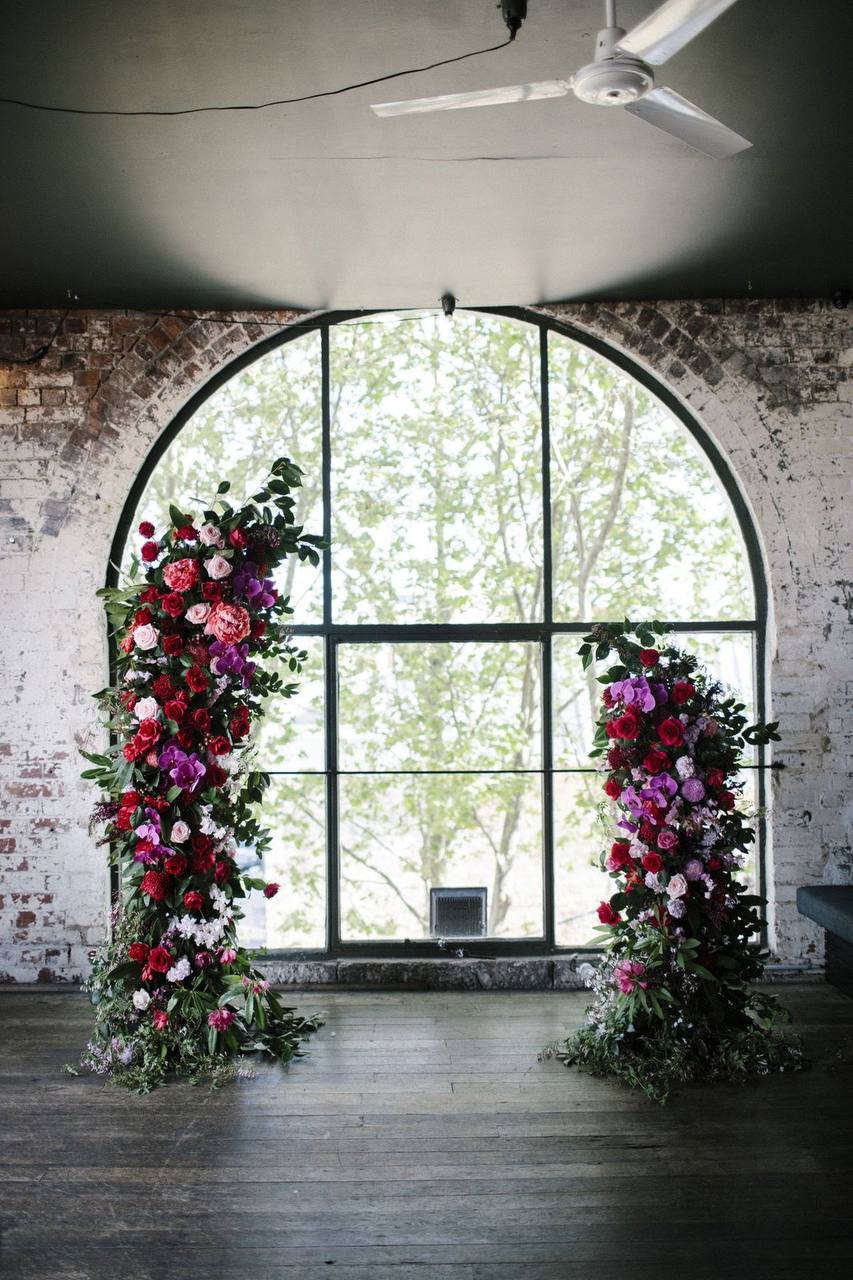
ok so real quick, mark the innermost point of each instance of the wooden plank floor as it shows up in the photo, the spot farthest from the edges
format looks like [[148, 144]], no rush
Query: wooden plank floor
[[422, 1138]]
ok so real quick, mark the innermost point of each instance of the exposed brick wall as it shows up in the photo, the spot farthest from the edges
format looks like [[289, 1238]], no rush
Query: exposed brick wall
[[769, 381]]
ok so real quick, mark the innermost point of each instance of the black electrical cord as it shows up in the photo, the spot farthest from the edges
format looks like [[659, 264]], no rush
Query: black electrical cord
[[258, 106]]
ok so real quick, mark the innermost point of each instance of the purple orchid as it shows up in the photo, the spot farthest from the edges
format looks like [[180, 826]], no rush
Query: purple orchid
[[186, 771]]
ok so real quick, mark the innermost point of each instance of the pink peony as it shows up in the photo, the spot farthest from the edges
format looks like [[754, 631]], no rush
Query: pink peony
[[181, 575], [230, 623], [217, 567]]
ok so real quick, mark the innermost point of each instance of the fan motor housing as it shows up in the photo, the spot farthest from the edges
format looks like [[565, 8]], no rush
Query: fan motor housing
[[613, 82]]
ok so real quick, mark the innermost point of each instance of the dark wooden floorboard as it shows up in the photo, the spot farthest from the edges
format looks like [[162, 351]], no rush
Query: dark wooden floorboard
[[422, 1138]]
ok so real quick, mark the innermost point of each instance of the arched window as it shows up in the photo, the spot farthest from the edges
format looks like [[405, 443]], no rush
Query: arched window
[[491, 485]]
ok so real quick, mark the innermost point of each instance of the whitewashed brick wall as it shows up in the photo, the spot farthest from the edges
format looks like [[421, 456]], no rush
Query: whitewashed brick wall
[[770, 382]]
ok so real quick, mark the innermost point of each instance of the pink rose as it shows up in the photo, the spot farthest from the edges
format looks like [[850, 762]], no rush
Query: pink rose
[[197, 614], [146, 637], [217, 567], [210, 536], [146, 709], [677, 887], [180, 832], [667, 839], [181, 575]]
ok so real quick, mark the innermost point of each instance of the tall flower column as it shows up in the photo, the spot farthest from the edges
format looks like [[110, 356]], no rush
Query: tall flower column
[[674, 994], [173, 990]]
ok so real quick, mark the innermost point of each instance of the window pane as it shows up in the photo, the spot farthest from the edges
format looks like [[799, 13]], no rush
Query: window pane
[[402, 836], [577, 699], [439, 706], [640, 523], [290, 735], [436, 470], [579, 837], [294, 809], [272, 408]]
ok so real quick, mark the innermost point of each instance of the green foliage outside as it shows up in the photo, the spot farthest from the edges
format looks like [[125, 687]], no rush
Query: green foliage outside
[[437, 518]]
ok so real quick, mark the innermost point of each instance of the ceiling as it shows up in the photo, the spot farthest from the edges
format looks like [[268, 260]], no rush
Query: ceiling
[[322, 205]]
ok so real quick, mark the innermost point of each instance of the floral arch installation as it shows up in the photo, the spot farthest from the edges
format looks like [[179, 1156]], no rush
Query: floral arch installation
[[490, 486]]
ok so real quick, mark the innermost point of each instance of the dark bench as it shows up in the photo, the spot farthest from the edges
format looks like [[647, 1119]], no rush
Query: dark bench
[[831, 905]]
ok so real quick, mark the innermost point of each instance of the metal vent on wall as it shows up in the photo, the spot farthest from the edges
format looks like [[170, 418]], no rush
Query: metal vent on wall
[[457, 913]]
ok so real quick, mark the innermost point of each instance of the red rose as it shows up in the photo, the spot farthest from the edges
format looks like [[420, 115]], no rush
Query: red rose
[[159, 959], [149, 596], [129, 799], [200, 719], [185, 737], [237, 538], [193, 900], [176, 708], [620, 855], [175, 864], [133, 750], [271, 889], [671, 731], [652, 861], [142, 847], [160, 1019], [230, 623], [201, 842], [656, 760], [146, 529], [186, 533], [173, 646], [628, 725], [725, 799], [682, 691], [216, 775], [211, 591], [173, 604], [202, 862], [610, 729], [607, 915], [181, 575], [714, 864], [148, 733], [240, 722], [259, 628], [124, 819], [150, 551], [222, 872], [219, 746], [196, 679], [142, 617], [138, 952], [612, 789], [154, 884], [716, 777], [649, 657], [163, 688]]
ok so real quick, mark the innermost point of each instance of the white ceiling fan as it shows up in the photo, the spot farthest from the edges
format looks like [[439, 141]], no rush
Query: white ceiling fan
[[620, 76]]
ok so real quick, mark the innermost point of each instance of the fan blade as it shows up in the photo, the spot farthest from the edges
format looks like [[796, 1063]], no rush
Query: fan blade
[[667, 110], [670, 28], [477, 98]]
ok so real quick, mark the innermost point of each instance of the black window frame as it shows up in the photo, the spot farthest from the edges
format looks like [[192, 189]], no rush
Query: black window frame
[[333, 634]]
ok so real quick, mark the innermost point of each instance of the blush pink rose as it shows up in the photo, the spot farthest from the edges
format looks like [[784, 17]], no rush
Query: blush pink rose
[[181, 575], [197, 614], [230, 623], [677, 887], [217, 567], [146, 709], [210, 536], [146, 637]]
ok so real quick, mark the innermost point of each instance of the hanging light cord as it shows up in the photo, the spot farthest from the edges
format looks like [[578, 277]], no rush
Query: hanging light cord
[[258, 106]]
